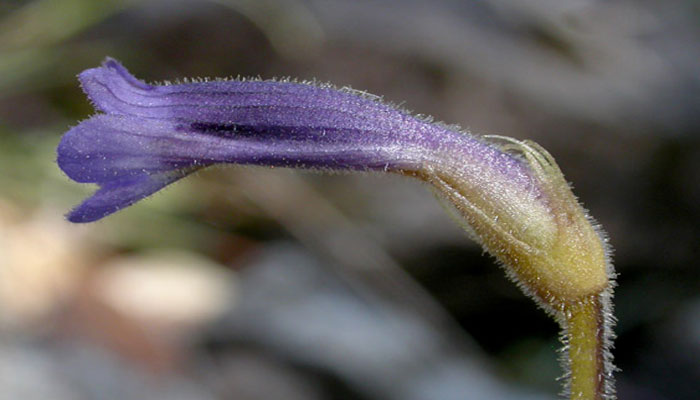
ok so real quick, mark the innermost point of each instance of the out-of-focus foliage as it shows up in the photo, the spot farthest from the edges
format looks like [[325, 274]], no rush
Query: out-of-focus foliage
[[247, 283]]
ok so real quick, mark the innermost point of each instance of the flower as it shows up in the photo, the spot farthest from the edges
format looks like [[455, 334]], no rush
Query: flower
[[509, 194], [517, 205]]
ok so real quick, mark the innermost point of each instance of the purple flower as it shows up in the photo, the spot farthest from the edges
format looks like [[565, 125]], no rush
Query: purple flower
[[150, 136], [509, 194], [517, 205]]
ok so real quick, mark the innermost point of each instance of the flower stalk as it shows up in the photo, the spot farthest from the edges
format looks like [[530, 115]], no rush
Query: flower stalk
[[587, 338], [509, 194]]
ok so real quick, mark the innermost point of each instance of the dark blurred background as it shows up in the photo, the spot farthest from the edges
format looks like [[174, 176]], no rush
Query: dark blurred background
[[246, 283]]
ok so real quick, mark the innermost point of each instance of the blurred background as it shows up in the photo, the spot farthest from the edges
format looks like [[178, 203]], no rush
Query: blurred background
[[246, 283]]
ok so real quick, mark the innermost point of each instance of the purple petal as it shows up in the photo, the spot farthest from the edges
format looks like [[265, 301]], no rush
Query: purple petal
[[151, 136], [123, 192], [111, 147], [114, 91]]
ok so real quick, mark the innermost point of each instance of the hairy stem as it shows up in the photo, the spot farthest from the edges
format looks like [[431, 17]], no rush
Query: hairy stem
[[587, 336]]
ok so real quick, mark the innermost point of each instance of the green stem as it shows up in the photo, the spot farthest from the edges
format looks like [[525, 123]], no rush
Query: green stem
[[587, 337]]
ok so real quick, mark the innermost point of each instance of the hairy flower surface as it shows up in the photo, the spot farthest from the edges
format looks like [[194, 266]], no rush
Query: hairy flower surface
[[151, 135], [509, 194]]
